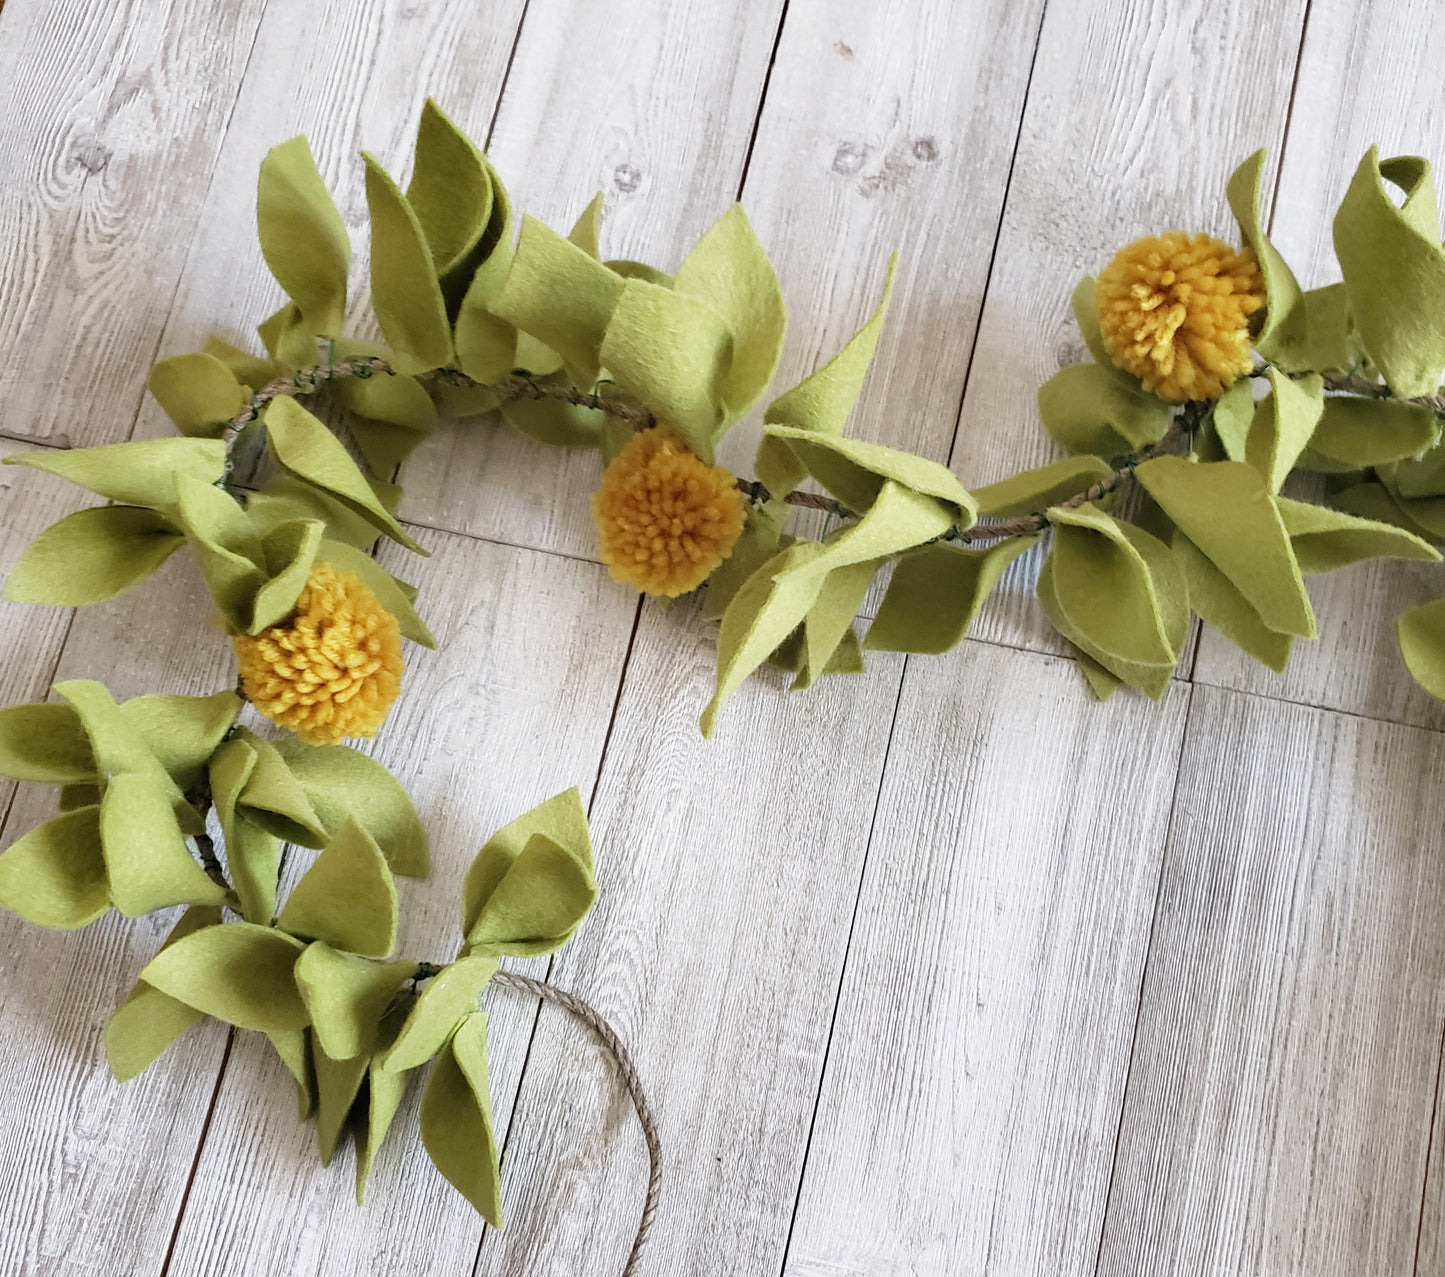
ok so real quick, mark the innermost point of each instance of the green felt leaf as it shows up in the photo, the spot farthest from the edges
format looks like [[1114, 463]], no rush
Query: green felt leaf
[[182, 731], [303, 236], [140, 473], [450, 190], [390, 593], [288, 551], [1359, 433], [561, 295], [562, 425], [347, 898], [1394, 271], [1034, 491], [936, 593], [758, 542], [1086, 315], [729, 269], [1421, 477], [346, 997], [1326, 539], [456, 1120], [148, 1022], [310, 451], [535, 357], [1331, 341], [294, 1049], [486, 346], [1106, 578], [585, 229], [775, 600], [273, 798], [1221, 605], [289, 339], [45, 743], [448, 998], [1282, 425], [338, 1083], [199, 393], [285, 499], [1375, 502], [1101, 682], [1232, 418], [91, 556], [673, 353], [238, 972], [1420, 632], [253, 856], [147, 862], [856, 472], [118, 744], [639, 270], [73, 796], [1226, 510], [1093, 408], [562, 818], [226, 547], [1425, 516], [54, 875], [384, 1091], [537, 903], [396, 400], [405, 292], [822, 401], [251, 371], [1284, 322], [830, 620], [344, 784]]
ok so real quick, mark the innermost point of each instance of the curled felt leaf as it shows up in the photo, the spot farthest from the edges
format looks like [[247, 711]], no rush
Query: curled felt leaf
[[253, 855], [1282, 425], [226, 547], [1220, 604], [147, 862], [303, 236], [486, 346], [273, 799], [1034, 491], [1325, 539], [141, 473], [451, 194], [91, 556], [1420, 632], [456, 1120], [182, 731], [1091, 408], [553, 421], [54, 876], [1284, 325], [238, 972], [1358, 433], [347, 898], [120, 746], [448, 998], [347, 996], [199, 393], [45, 743]]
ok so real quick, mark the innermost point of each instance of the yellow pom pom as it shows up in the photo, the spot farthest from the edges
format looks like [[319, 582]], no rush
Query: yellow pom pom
[[332, 668], [664, 519], [1174, 310]]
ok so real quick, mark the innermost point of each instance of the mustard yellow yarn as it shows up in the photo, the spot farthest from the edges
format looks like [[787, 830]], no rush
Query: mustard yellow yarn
[[665, 519], [1174, 310], [332, 668]]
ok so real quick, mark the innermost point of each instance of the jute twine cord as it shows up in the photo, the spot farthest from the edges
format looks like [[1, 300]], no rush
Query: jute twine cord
[[612, 1044]]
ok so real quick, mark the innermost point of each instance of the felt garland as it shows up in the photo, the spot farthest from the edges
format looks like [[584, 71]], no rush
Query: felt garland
[[1214, 380]]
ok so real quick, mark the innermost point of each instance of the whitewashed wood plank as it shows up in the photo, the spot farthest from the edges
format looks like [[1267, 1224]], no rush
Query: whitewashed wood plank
[[112, 115], [1279, 1103], [967, 1117], [1430, 1254], [513, 708], [653, 104], [1137, 116], [728, 874], [1364, 78]]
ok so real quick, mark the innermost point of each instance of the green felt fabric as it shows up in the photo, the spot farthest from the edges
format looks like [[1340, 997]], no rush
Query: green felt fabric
[[285, 499], [468, 401], [1420, 632], [729, 269], [347, 996], [119, 745], [830, 619], [562, 295], [182, 731], [226, 548], [673, 353], [777, 598], [1331, 342], [293, 1048], [343, 784], [303, 236], [1282, 425], [396, 400], [1102, 683], [54, 875], [856, 472], [1325, 539], [759, 541], [199, 393], [148, 1022], [1376, 502], [535, 357], [1423, 515], [74, 796], [447, 999], [587, 228], [238, 972], [141, 473], [91, 556], [456, 1120], [1284, 325], [1394, 270], [147, 862], [1226, 510], [311, 452], [450, 189], [936, 593], [1232, 418], [1034, 491], [347, 898], [338, 1083], [1220, 604], [551, 421], [1086, 315], [1359, 433], [1118, 586], [288, 551], [288, 338], [1418, 477], [629, 269], [253, 856], [535, 905], [250, 370], [823, 401], [382, 447], [405, 292], [390, 593], [486, 346], [45, 743], [273, 798], [1094, 408], [384, 1091]]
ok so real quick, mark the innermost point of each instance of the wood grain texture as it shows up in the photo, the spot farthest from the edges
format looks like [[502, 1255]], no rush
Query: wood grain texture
[[1137, 116], [728, 875], [1280, 1099], [513, 709], [1362, 82], [112, 116], [653, 104], [967, 1117]]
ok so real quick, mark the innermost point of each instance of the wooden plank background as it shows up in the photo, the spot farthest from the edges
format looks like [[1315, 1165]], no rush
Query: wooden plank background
[[939, 970]]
